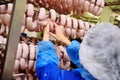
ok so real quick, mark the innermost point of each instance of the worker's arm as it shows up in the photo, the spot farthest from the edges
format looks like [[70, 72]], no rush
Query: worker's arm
[[47, 60], [73, 52]]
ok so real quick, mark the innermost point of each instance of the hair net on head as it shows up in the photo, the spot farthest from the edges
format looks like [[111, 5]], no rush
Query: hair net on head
[[100, 51]]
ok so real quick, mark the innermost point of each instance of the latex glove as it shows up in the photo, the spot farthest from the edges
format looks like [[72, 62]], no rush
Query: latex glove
[[59, 35]]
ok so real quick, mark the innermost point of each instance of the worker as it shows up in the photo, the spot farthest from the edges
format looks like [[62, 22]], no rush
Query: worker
[[85, 55]]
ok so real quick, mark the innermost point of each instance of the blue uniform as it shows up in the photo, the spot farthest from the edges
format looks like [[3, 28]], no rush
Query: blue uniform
[[47, 63]]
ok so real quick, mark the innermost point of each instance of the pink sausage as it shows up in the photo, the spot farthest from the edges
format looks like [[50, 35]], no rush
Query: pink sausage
[[16, 65], [7, 18], [25, 49], [22, 64], [34, 25], [81, 32], [68, 31], [100, 11], [34, 66], [52, 14], [63, 19], [4, 40], [95, 10], [75, 23], [42, 24], [51, 27], [19, 51], [2, 19], [91, 8], [98, 2], [86, 25], [30, 77], [102, 3], [1, 39], [32, 51], [2, 9], [81, 4], [86, 5], [81, 25], [29, 22], [30, 10], [9, 8], [42, 14], [30, 64], [38, 29], [2, 29], [69, 22], [7, 30], [73, 33], [75, 5]]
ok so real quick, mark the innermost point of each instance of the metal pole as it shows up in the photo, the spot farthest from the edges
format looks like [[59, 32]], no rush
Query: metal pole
[[13, 39]]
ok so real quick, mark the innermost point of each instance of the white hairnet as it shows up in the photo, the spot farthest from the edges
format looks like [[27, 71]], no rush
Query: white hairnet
[[100, 51]]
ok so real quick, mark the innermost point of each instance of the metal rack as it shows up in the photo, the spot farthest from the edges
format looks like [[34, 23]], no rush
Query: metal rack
[[13, 37]]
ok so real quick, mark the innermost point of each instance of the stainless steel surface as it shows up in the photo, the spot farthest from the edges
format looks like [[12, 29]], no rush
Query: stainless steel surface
[[13, 39]]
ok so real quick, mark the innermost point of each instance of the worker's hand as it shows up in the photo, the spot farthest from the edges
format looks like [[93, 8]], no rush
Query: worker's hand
[[59, 35], [46, 32]]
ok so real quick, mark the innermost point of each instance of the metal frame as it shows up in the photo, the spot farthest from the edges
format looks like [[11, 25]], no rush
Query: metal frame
[[13, 39]]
